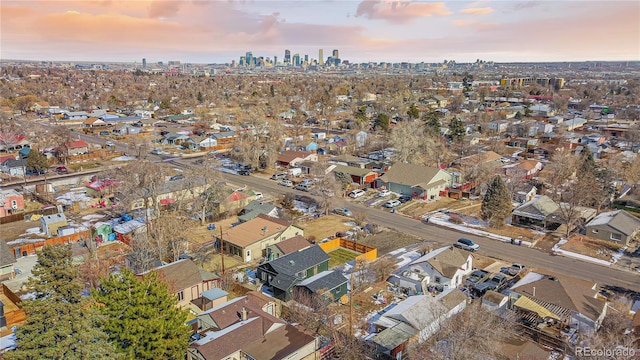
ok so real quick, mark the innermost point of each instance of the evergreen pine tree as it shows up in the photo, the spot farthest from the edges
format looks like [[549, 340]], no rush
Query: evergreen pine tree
[[142, 318], [496, 205], [456, 130], [60, 323], [382, 122], [432, 123], [413, 112], [37, 162], [586, 165]]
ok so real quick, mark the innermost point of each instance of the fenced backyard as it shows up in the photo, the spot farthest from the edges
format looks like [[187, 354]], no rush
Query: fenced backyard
[[341, 256]]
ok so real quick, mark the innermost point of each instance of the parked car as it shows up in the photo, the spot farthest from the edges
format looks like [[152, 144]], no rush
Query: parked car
[[307, 182], [244, 172], [258, 195], [476, 277], [515, 269], [384, 193], [404, 198], [302, 187], [156, 151], [495, 283], [278, 176], [176, 177], [286, 182], [62, 170], [109, 143], [391, 204], [466, 244], [342, 211], [356, 193], [104, 133]]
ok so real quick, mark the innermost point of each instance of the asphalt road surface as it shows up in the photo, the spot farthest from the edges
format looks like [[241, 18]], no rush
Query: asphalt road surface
[[532, 258]]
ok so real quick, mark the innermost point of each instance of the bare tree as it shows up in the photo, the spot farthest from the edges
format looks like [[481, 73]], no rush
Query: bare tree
[[382, 268], [407, 138]]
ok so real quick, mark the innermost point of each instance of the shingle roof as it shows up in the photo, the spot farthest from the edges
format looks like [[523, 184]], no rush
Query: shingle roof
[[181, 274], [446, 260], [392, 337], [289, 156], [352, 170], [539, 208], [409, 174], [293, 244], [619, 220], [293, 263], [6, 256], [278, 344], [572, 294], [326, 280], [254, 230]]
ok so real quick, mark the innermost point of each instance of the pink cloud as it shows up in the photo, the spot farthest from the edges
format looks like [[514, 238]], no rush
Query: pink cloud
[[399, 12], [476, 25], [164, 9], [477, 11]]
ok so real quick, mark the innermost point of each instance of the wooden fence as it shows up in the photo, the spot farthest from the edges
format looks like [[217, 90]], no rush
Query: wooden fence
[[13, 315], [31, 248], [21, 216], [367, 253]]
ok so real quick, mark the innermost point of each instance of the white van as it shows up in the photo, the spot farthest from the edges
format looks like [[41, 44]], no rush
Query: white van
[[356, 193], [295, 172]]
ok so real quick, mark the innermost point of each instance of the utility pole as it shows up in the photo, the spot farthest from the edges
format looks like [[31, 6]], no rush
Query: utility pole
[[222, 250], [351, 309]]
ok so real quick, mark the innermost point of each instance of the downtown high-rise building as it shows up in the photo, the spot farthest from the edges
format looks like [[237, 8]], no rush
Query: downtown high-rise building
[[296, 59], [287, 57], [321, 57], [335, 54], [275, 60], [249, 58], [144, 63]]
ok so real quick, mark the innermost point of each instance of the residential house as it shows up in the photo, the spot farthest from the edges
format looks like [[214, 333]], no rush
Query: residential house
[[498, 126], [93, 122], [495, 301], [575, 123], [101, 188], [172, 138], [184, 279], [255, 208], [75, 115], [290, 158], [438, 270], [166, 193], [14, 166], [440, 101], [51, 223], [361, 177], [245, 328], [11, 202], [288, 246], [545, 128], [418, 181], [415, 319], [618, 226], [541, 211], [7, 260], [350, 160], [281, 274], [361, 138], [330, 285], [127, 129], [76, 147], [522, 170], [541, 110], [564, 307], [10, 142], [250, 240]]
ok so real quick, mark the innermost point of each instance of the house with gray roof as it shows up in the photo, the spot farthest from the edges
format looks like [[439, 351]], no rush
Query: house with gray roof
[[418, 181], [281, 274], [440, 269], [415, 318], [255, 208], [7, 259], [51, 223], [618, 226], [330, 284], [541, 211]]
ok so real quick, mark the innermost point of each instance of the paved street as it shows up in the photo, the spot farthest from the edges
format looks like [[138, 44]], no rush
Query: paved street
[[497, 249]]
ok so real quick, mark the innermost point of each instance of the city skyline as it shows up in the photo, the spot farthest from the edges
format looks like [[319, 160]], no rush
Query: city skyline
[[366, 31]]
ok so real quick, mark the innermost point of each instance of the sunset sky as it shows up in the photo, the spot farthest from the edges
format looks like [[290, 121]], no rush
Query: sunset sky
[[371, 30]]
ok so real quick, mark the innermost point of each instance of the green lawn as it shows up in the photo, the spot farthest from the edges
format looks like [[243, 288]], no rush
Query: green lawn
[[340, 256]]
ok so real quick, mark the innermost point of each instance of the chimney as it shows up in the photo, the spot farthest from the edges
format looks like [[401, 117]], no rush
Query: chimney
[[243, 314], [534, 291]]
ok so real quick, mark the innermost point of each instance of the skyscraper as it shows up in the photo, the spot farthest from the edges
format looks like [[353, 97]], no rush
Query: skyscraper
[[321, 57], [287, 57], [296, 59], [306, 59], [336, 54], [144, 63], [275, 61], [249, 58]]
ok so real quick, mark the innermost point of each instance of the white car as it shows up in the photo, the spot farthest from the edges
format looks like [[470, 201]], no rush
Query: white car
[[392, 203], [286, 183], [258, 195], [356, 193], [384, 193]]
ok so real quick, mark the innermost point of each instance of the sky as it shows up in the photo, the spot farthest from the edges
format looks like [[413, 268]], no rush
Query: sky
[[203, 31]]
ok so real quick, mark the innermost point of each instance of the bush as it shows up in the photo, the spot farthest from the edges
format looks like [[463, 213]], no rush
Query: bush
[[456, 219]]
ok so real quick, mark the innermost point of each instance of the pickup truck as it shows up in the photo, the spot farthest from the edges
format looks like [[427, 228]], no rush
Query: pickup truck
[[492, 284], [476, 277]]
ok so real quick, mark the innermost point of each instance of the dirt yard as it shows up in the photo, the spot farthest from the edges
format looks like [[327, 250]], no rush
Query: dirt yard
[[585, 245], [325, 226], [515, 232], [419, 208], [388, 240]]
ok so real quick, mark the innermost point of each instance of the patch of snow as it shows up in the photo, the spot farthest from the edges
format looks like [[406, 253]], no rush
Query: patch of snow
[[442, 219], [618, 255], [350, 223], [93, 216], [23, 241], [556, 250], [123, 158], [33, 230], [72, 197], [397, 251], [407, 258]]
